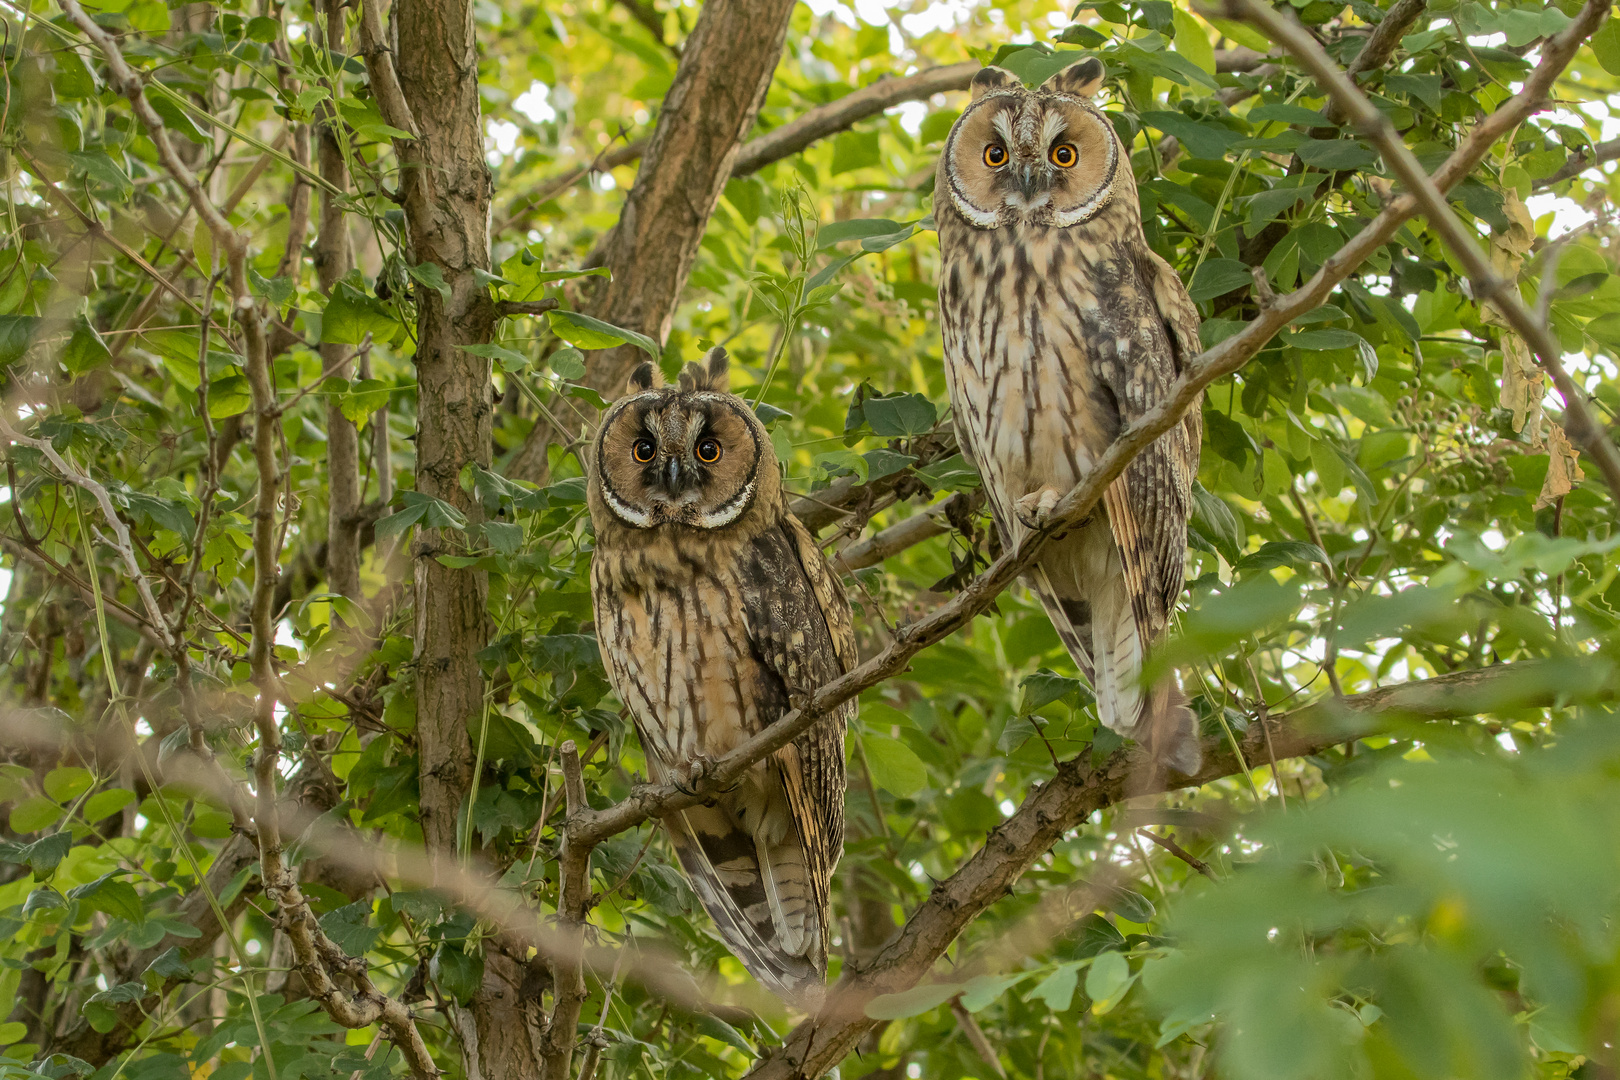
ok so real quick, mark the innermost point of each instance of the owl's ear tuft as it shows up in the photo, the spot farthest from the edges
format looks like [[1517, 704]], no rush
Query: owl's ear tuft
[[713, 372], [645, 377], [719, 365], [1081, 80], [992, 78]]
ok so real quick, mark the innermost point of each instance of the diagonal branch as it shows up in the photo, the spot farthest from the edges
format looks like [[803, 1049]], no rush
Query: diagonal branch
[[1230, 355], [1583, 429], [820, 1043]]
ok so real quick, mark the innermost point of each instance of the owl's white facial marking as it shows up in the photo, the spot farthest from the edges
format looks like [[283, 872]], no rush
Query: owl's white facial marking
[[1045, 158], [679, 457]]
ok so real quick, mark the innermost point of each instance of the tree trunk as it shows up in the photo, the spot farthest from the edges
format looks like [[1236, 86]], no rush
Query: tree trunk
[[726, 66], [447, 188]]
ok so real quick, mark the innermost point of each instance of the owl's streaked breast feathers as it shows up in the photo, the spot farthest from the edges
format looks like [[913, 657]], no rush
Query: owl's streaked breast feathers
[[717, 613], [1061, 326]]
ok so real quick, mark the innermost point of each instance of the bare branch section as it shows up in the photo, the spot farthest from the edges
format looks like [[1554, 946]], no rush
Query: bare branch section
[[1379, 46], [1583, 429]]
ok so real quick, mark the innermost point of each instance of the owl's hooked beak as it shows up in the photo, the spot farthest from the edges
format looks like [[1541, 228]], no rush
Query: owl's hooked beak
[[680, 477], [1030, 180]]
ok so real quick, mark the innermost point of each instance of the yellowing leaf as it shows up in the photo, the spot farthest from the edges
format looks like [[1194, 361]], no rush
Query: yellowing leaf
[[1563, 471]]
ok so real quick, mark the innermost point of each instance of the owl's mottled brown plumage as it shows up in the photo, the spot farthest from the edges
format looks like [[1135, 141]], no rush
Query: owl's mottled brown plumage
[[1061, 326], [717, 613]]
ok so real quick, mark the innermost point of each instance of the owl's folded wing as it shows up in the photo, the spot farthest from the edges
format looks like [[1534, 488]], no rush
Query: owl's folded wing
[[805, 635], [1148, 506]]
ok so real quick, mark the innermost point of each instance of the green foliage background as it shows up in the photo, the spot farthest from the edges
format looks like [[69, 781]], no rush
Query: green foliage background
[[1380, 501]]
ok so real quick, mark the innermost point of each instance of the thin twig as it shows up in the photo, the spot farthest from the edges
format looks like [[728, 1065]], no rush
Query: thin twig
[[1179, 852]]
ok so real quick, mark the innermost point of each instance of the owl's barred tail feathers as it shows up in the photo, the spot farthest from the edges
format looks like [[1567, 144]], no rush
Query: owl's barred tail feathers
[[758, 893], [1108, 649]]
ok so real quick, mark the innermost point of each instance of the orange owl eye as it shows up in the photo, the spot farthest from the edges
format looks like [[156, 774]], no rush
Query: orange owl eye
[[995, 156], [644, 450], [1064, 155], [708, 451]]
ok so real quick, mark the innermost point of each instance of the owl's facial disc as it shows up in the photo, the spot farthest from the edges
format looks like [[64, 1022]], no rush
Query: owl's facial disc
[[670, 456], [1044, 158]]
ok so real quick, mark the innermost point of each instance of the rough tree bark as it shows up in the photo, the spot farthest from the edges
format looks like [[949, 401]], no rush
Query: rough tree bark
[[726, 66], [446, 190]]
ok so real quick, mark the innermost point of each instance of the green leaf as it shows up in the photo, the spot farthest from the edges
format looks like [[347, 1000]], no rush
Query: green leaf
[[1336, 154], [1057, 989], [399, 521], [1129, 903], [12, 1032], [982, 990], [42, 856], [457, 974], [16, 334], [855, 150], [584, 332], [1206, 139], [504, 536], [913, 1002], [230, 396], [168, 965], [1284, 113], [1217, 277], [567, 363], [1606, 45], [116, 898], [1042, 688], [68, 782], [348, 929], [430, 275], [896, 768], [508, 359], [350, 315], [33, 814], [1108, 981], [716, 1028], [900, 416], [856, 229], [364, 397], [769, 414], [84, 350], [278, 291]]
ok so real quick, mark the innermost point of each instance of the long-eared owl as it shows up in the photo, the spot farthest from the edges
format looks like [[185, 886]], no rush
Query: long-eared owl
[[717, 613], [1061, 326]]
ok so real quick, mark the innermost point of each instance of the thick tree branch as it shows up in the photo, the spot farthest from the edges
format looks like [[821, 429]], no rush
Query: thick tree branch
[[1583, 429]]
